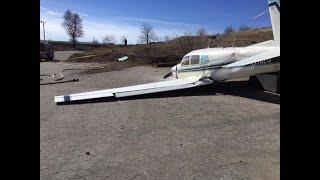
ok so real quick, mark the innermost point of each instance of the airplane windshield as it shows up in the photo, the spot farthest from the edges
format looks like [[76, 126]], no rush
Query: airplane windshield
[[194, 59], [185, 61]]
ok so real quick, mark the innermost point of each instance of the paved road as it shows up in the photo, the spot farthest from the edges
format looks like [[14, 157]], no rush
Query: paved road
[[64, 55], [229, 131]]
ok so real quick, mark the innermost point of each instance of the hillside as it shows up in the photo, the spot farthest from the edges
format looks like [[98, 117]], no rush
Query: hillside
[[171, 52], [67, 46]]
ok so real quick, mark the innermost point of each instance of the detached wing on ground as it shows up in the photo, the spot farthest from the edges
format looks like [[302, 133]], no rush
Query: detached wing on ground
[[269, 54], [149, 88]]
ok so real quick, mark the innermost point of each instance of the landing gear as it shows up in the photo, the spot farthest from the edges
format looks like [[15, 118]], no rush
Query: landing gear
[[206, 77]]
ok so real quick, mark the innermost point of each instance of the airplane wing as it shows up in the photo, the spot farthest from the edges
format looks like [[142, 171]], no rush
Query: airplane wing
[[271, 53], [162, 86]]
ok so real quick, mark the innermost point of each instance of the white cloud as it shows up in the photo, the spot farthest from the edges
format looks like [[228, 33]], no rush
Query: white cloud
[[100, 29], [158, 21], [83, 14], [119, 27], [96, 29], [53, 28], [50, 12]]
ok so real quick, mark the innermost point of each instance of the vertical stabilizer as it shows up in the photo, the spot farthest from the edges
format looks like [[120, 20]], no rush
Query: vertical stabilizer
[[274, 9]]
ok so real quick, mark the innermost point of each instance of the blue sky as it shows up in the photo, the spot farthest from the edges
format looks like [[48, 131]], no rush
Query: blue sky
[[168, 17]]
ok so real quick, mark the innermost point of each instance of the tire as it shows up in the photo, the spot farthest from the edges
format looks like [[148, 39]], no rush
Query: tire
[[50, 57]]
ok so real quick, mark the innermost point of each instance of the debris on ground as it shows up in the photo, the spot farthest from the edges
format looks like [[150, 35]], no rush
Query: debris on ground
[[124, 58], [58, 80]]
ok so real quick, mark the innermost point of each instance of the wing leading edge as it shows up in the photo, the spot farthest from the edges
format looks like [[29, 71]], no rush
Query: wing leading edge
[[149, 88]]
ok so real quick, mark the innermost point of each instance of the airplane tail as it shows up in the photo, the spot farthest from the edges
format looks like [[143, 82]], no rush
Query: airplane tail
[[274, 9]]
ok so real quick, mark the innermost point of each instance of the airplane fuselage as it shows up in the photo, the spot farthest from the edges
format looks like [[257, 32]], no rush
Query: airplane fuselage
[[212, 62]]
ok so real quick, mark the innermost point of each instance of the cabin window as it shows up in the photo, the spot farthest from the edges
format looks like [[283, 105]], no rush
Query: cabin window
[[204, 59], [194, 59], [185, 61]]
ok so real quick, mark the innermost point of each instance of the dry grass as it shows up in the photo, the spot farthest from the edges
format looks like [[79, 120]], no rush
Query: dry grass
[[67, 46], [171, 52]]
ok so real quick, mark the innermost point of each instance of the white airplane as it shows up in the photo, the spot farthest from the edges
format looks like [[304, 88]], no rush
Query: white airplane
[[206, 66]]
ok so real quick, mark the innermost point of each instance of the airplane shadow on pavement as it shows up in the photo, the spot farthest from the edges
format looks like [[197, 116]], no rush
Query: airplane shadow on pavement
[[234, 88], [243, 89]]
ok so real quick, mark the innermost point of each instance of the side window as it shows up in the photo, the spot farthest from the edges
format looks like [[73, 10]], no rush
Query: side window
[[185, 61], [204, 59], [194, 59]]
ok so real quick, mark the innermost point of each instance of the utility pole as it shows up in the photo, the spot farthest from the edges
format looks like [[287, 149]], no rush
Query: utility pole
[[44, 33]]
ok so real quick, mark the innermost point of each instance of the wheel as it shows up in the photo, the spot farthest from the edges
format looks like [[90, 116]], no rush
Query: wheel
[[50, 57]]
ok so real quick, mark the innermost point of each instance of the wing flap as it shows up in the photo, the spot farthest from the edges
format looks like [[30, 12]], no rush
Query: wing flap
[[162, 86], [275, 52]]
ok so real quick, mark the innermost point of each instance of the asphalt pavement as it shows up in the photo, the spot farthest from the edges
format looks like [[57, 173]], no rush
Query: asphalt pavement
[[224, 131]]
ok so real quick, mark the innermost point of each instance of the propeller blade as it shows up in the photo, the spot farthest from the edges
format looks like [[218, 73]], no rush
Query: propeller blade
[[167, 75]]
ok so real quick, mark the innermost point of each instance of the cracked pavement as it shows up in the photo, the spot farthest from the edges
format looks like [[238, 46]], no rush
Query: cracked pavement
[[226, 132]]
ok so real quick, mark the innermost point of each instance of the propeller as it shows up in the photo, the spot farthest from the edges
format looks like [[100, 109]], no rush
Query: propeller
[[172, 72], [167, 75]]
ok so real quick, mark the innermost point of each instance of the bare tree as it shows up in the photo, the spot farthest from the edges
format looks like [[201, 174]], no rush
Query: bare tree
[[167, 38], [73, 25], [201, 39], [109, 39], [244, 28], [201, 31], [228, 30], [147, 33], [94, 41], [186, 41]]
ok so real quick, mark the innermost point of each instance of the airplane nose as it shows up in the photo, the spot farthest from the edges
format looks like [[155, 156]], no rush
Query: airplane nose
[[172, 72]]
